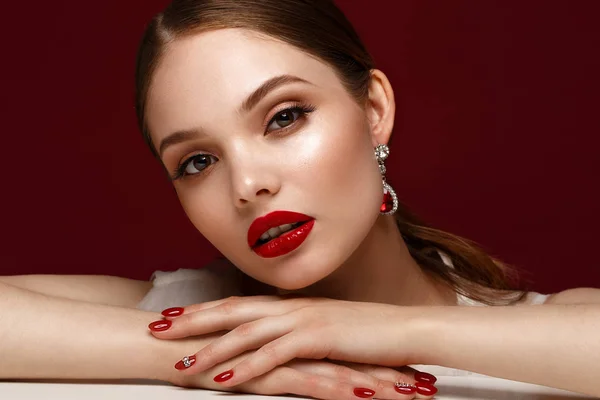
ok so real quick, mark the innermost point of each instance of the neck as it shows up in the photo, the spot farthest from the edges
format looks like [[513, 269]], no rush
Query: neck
[[381, 270]]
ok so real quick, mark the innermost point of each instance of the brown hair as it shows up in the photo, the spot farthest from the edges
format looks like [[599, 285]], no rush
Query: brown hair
[[319, 28]]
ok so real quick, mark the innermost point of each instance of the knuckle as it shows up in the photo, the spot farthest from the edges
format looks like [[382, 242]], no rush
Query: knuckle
[[317, 351], [342, 372], [271, 352], [316, 386], [380, 385], [185, 325], [208, 352], [246, 329], [228, 307], [367, 369], [399, 377], [311, 382]]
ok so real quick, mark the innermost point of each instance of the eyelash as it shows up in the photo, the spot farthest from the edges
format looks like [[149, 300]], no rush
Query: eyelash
[[302, 108]]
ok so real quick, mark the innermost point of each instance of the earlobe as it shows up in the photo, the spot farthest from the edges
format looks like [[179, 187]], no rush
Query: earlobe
[[380, 108]]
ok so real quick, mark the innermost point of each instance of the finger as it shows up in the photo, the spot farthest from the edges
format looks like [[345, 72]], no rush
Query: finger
[[273, 354], [421, 383], [246, 337], [210, 304], [385, 389], [284, 380], [225, 316]]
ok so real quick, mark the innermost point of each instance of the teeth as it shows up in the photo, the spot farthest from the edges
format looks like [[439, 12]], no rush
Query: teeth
[[278, 230], [274, 231]]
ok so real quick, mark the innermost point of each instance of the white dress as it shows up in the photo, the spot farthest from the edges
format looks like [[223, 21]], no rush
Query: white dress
[[220, 279]]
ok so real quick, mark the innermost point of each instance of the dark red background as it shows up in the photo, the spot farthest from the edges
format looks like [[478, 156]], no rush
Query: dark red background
[[496, 136]]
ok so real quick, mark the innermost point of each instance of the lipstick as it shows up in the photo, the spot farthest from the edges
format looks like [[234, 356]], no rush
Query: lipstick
[[284, 243]]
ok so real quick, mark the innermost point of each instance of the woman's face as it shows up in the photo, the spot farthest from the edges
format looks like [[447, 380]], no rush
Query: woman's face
[[250, 162]]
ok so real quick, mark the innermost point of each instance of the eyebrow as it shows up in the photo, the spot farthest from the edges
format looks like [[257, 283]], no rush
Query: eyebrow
[[251, 101]]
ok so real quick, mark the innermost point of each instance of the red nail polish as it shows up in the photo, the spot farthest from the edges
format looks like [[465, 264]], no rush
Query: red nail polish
[[172, 312], [364, 392], [425, 377], [405, 389], [426, 389], [185, 363], [159, 326], [224, 376]]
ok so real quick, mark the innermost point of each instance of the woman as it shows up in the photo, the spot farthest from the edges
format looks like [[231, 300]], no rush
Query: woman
[[272, 123], [268, 106]]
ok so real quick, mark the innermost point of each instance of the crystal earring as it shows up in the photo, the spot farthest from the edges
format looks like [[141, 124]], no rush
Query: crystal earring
[[390, 200]]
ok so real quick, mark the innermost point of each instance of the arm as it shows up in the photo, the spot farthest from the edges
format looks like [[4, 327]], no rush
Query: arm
[[555, 345], [44, 337], [47, 338], [100, 289]]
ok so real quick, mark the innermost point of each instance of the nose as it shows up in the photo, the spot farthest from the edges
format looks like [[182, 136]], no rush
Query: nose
[[253, 181], [252, 191]]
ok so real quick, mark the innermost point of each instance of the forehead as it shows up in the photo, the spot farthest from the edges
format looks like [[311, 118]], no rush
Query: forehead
[[216, 70]]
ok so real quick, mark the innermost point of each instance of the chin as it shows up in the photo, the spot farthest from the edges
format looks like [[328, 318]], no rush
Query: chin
[[299, 278], [292, 285]]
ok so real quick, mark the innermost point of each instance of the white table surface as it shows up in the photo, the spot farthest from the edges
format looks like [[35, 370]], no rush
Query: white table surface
[[450, 388]]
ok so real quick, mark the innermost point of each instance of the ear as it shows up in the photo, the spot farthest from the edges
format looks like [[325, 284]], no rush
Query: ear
[[380, 108]]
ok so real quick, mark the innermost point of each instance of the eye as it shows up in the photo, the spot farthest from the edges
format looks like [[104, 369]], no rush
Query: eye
[[193, 165], [284, 118], [287, 117]]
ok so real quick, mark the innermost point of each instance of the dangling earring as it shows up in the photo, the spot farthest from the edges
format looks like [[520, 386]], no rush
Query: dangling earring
[[390, 200]]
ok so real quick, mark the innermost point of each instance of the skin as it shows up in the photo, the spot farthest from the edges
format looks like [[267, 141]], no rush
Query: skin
[[321, 165], [324, 167]]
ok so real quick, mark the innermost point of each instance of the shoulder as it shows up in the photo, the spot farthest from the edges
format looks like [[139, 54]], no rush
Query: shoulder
[[575, 296], [569, 296]]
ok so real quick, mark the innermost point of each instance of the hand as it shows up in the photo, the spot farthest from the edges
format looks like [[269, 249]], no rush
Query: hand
[[316, 379], [289, 328]]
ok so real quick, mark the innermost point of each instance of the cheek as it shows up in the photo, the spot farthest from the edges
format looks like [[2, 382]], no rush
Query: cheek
[[205, 209], [343, 172]]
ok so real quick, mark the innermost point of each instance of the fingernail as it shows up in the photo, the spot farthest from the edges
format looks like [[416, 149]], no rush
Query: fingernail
[[159, 326], [172, 312], [364, 392], [425, 377], [404, 388], [185, 363], [224, 376], [426, 389]]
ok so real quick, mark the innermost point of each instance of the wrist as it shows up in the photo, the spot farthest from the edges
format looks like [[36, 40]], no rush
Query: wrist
[[163, 354], [150, 356], [425, 334]]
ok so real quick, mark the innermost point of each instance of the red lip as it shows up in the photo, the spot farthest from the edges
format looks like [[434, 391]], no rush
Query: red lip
[[271, 220]]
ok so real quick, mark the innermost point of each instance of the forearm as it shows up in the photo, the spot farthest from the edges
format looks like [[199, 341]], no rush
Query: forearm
[[552, 345], [43, 337]]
